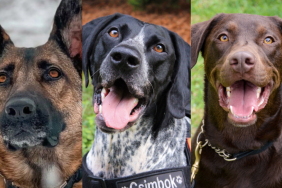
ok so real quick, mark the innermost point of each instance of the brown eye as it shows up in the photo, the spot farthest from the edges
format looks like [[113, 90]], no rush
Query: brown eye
[[114, 33], [268, 40], [223, 38], [3, 78], [53, 73], [159, 48]]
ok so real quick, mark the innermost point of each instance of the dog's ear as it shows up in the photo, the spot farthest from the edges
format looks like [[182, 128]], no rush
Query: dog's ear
[[4, 40], [199, 33], [67, 30], [277, 21], [90, 32], [179, 94]]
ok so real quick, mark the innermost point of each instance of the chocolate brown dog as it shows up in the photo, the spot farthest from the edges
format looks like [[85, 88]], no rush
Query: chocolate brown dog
[[40, 106], [242, 120]]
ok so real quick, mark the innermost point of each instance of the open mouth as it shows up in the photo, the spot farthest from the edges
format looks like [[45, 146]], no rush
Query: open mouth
[[243, 100], [117, 106]]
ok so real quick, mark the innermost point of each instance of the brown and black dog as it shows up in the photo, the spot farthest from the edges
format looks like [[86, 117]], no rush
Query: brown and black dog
[[40, 105], [243, 105]]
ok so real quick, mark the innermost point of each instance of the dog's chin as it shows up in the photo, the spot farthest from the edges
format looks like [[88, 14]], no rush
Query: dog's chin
[[242, 100], [18, 143]]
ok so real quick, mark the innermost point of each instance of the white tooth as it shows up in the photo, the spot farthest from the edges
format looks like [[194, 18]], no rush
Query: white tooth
[[258, 92], [100, 109], [228, 93], [231, 110], [136, 101], [261, 102], [227, 88], [103, 94]]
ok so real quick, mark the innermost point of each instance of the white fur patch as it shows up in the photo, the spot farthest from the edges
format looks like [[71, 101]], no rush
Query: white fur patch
[[135, 151], [51, 177]]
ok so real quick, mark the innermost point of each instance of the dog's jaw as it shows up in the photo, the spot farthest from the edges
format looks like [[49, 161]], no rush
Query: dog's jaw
[[135, 151]]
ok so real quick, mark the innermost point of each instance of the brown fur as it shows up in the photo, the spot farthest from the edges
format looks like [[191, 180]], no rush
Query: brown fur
[[23, 167], [247, 32], [66, 96]]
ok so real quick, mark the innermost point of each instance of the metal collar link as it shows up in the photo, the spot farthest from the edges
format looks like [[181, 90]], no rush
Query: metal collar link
[[221, 152], [198, 151]]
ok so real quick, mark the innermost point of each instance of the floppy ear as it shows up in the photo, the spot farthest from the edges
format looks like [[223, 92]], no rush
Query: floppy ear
[[90, 32], [277, 21], [179, 94], [67, 29], [177, 102], [4, 40], [199, 33]]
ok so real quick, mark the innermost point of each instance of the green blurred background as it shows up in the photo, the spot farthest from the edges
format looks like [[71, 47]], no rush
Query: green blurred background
[[202, 10]]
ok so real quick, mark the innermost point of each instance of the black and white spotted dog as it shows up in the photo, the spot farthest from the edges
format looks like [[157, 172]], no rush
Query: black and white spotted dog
[[140, 73]]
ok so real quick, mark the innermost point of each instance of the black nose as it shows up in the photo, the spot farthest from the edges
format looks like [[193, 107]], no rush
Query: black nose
[[20, 108], [242, 62], [125, 58]]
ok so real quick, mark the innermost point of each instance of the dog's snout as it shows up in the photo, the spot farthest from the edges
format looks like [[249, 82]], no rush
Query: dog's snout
[[20, 108], [125, 58], [242, 61]]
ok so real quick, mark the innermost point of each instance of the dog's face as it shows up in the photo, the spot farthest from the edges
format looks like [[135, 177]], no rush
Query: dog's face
[[242, 62], [132, 62], [40, 87]]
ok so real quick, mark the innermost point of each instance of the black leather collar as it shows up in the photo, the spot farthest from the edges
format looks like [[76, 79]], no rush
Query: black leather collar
[[252, 152]]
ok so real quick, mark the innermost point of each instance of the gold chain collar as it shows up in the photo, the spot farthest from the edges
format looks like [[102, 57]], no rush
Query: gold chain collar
[[198, 152]]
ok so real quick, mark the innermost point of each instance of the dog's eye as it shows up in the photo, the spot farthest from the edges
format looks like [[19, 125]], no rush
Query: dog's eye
[[54, 73], [114, 33], [3, 78], [268, 40], [159, 48], [223, 38]]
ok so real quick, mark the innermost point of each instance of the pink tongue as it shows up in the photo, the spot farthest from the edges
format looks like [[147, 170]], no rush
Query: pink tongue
[[243, 98], [116, 108]]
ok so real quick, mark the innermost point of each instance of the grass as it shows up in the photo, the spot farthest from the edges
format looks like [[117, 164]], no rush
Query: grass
[[202, 10], [88, 123]]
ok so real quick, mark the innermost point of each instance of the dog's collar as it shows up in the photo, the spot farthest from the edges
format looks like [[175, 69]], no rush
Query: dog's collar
[[227, 156], [221, 152], [76, 177], [176, 177]]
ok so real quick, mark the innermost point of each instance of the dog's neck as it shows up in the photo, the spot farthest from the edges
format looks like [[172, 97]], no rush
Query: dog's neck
[[224, 135], [135, 150], [51, 177]]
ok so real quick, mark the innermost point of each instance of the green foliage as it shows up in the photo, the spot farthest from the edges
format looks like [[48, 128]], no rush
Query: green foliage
[[141, 4], [138, 3], [203, 10], [88, 122]]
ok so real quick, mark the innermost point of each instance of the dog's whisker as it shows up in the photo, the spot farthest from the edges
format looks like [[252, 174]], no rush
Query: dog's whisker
[[94, 73]]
